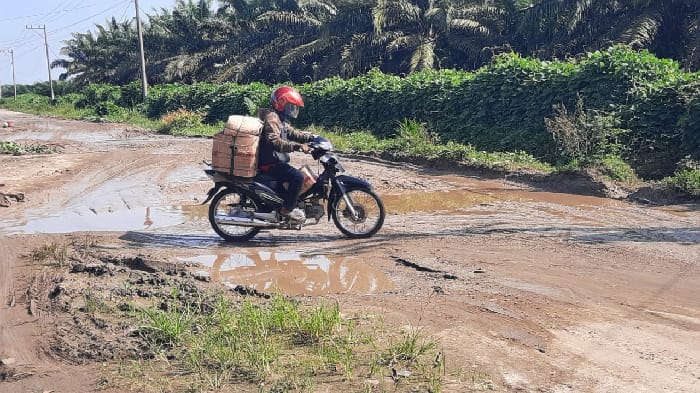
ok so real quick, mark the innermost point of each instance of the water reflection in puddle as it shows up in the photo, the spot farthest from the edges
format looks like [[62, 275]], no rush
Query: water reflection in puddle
[[294, 273], [120, 220]]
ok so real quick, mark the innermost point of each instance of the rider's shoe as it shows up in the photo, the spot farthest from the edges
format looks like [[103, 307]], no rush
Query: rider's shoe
[[294, 215]]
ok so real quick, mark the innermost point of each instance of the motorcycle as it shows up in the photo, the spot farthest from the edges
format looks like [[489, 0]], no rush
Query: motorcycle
[[240, 210]]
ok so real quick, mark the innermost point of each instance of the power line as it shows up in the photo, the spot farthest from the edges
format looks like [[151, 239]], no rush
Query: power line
[[126, 9], [49, 13], [91, 16]]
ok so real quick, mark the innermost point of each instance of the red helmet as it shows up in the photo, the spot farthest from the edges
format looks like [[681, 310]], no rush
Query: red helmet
[[286, 95]]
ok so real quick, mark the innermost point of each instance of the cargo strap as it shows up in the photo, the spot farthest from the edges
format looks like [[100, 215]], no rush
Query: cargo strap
[[266, 167]]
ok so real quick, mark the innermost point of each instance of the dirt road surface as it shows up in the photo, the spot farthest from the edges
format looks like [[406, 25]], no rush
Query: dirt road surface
[[525, 290]]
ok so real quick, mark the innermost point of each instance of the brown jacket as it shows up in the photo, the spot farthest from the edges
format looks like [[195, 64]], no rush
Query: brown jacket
[[278, 139]]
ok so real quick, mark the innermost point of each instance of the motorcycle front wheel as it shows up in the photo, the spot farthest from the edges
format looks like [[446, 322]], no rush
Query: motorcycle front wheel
[[227, 205], [368, 217]]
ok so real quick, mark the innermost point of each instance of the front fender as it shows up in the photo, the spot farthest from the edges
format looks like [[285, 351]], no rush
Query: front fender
[[343, 184]]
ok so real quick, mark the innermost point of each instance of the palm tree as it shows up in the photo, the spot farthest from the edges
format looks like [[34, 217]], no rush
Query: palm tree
[[185, 44], [108, 56], [411, 35], [287, 40], [319, 55], [556, 28]]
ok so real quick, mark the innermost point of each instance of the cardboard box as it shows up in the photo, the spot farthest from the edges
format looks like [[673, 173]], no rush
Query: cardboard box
[[235, 149]]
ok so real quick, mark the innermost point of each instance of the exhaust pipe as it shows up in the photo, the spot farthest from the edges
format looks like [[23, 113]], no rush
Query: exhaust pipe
[[244, 222]]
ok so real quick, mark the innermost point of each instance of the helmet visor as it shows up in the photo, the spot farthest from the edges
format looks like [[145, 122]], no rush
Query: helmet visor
[[291, 110]]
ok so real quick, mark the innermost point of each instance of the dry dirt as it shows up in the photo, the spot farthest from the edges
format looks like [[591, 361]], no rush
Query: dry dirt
[[524, 289]]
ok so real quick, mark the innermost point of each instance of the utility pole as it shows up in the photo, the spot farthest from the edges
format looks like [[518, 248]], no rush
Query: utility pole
[[12, 62], [144, 79], [48, 62]]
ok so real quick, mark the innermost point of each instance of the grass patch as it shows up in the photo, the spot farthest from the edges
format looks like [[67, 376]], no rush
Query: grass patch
[[65, 107], [19, 149], [51, 253], [413, 141], [42, 105], [274, 345]]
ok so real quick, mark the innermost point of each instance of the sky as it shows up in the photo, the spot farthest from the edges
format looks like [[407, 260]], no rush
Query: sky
[[60, 18]]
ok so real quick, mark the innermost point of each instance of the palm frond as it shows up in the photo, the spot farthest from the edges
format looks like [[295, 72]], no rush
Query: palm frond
[[579, 14], [692, 48], [395, 13], [470, 25], [318, 7], [423, 57], [183, 66], [278, 19], [641, 31], [304, 51], [403, 42], [378, 16]]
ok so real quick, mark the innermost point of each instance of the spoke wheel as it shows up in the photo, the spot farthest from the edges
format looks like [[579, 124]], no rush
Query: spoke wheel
[[368, 217], [224, 207]]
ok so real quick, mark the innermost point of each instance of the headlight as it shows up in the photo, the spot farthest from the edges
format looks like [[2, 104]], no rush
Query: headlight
[[332, 159]]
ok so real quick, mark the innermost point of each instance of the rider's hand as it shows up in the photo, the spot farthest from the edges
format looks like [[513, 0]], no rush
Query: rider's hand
[[305, 148]]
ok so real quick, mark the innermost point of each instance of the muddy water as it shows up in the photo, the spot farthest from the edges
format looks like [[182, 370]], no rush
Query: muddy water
[[105, 209], [294, 273], [122, 220], [485, 192]]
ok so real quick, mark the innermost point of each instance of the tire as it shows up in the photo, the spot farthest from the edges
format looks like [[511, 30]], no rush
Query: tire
[[369, 208], [224, 204]]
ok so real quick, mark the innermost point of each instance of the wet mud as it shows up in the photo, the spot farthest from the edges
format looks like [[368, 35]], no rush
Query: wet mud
[[524, 289]]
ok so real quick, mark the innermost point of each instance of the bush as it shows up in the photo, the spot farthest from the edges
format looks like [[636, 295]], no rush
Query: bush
[[107, 108], [584, 134], [95, 94], [686, 178], [181, 122], [640, 108]]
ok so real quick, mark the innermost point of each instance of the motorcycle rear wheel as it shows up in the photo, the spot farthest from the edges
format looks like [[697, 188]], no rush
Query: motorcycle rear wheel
[[369, 209], [226, 204]]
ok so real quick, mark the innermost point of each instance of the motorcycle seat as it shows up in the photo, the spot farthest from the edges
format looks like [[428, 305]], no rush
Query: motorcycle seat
[[267, 181]]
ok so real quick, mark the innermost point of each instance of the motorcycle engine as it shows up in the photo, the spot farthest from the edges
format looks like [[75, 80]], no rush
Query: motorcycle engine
[[314, 210]]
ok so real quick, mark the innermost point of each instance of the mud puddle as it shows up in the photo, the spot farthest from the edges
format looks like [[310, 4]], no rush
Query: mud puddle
[[42, 132], [464, 198], [294, 273], [93, 220]]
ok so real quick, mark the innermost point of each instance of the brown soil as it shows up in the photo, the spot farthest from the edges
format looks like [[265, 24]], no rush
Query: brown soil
[[524, 288]]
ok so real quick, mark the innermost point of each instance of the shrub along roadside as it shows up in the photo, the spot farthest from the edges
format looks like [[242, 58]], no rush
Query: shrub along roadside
[[412, 142], [641, 110], [500, 107]]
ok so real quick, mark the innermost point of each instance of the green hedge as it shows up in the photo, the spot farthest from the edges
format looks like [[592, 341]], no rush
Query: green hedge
[[501, 107], [216, 102]]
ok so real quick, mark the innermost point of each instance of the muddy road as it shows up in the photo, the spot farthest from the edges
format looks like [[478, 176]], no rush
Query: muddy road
[[525, 290]]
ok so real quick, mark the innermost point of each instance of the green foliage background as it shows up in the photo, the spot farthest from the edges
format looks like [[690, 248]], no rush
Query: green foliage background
[[500, 107]]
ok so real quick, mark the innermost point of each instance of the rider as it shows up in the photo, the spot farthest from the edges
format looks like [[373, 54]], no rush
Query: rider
[[278, 139]]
